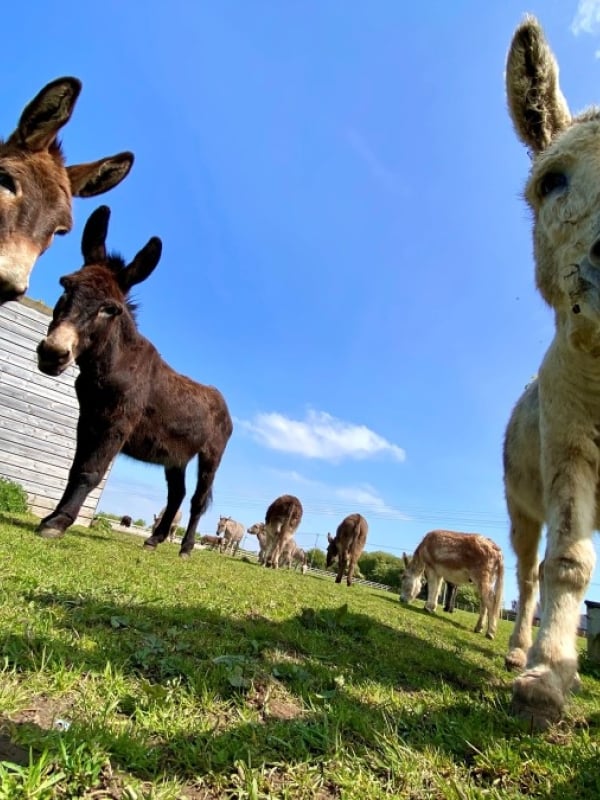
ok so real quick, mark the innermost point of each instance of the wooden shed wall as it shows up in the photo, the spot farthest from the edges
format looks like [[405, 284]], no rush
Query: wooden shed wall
[[38, 414]]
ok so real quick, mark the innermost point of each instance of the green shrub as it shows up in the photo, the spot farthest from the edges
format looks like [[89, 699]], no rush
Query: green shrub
[[12, 496], [101, 523]]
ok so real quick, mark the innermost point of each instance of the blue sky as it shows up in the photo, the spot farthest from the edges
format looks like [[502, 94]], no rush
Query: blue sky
[[346, 254]]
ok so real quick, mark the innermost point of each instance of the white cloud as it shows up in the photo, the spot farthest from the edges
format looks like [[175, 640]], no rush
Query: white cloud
[[587, 17], [319, 436]]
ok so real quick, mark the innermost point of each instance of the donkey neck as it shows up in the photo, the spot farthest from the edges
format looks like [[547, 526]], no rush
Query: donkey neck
[[124, 347]]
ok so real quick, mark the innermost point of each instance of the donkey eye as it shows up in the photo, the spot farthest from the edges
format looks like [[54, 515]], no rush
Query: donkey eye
[[110, 310], [7, 183], [552, 182]]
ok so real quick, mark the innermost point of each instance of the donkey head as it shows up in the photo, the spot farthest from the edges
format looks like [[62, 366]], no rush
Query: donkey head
[[332, 550], [563, 189], [222, 525], [94, 298], [36, 187], [411, 581]]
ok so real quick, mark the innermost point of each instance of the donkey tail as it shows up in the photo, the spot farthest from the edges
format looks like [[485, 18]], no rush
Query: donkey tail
[[499, 584]]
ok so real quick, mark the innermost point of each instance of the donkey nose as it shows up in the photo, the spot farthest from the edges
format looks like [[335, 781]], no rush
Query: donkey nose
[[594, 254], [52, 359]]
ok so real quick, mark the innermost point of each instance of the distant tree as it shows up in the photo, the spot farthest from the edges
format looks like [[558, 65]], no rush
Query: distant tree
[[316, 558], [466, 595], [381, 567], [141, 523]]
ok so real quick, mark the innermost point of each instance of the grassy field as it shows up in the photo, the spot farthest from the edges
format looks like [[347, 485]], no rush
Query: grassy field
[[128, 674]]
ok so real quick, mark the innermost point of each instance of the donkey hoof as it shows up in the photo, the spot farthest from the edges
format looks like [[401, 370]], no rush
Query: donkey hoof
[[515, 660], [50, 533], [537, 698], [184, 554], [150, 545], [489, 635]]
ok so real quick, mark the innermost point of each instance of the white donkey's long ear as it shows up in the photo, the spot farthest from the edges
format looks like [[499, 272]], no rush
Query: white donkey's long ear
[[537, 106]]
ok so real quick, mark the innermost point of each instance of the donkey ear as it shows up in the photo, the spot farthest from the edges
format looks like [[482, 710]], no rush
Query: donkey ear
[[405, 559], [93, 245], [537, 106], [45, 115], [329, 538], [97, 177], [142, 265]]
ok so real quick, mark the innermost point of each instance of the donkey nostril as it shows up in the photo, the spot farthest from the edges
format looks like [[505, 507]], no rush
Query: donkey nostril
[[595, 253]]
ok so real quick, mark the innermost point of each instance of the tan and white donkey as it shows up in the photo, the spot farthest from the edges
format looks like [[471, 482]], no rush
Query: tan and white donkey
[[552, 443]]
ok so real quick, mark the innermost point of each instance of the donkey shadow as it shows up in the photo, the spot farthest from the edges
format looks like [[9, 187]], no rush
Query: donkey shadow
[[264, 656]]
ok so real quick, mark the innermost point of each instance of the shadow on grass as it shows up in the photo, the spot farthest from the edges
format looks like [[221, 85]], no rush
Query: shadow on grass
[[297, 678], [479, 640]]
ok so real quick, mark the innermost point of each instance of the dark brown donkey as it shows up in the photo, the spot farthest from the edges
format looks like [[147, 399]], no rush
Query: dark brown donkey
[[130, 400], [347, 545], [36, 187], [282, 519]]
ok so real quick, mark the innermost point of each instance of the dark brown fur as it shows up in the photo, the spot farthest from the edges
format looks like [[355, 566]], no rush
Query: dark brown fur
[[126, 521], [281, 522], [214, 542], [347, 545], [130, 400], [451, 589], [36, 187]]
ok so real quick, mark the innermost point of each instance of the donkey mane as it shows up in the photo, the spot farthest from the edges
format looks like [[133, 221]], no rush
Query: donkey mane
[[117, 265]]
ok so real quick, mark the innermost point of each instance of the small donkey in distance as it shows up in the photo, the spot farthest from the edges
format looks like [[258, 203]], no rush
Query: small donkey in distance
[[130, 400]]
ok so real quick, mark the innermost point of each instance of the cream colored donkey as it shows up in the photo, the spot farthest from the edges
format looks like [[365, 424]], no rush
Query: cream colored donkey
[[552, 444]]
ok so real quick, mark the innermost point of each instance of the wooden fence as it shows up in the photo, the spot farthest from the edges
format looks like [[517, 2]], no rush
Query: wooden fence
[[38, 414]]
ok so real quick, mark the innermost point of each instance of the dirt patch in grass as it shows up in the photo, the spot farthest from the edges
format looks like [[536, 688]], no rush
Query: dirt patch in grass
[[46, 713], [273, 702]]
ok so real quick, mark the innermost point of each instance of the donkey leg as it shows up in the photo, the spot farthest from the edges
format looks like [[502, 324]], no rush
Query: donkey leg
[[433, 590], [342, 558], [539, 693], [280, 545], [525, 535], [92, 458], [351, 567], [201, 499], [175, 477]]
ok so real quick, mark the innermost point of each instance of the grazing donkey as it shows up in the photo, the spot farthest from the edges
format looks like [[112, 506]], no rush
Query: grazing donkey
[[258, 530], [36, 187], [281, 522], [173, 529], [126, 521], [347, 545], [231, 532], [552, 442], [214, 542], [292, 554], [458, 558], [130, 400]]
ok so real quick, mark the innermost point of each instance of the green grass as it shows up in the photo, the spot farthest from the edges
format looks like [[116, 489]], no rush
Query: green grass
[[128, 674]]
